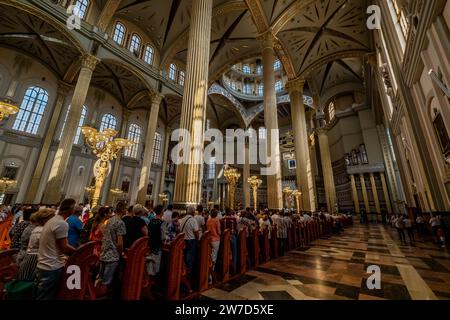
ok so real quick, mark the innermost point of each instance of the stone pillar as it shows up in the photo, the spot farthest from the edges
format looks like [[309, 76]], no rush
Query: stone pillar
[[107, 13], [63, 90], [148, 151], [327, 170], [116, 166], [164, 162], [303, 167], [354, 194], [364, 192], [52, 194], [375, 193], [188, 180], [386, 193], [245, 176], [274, 192]]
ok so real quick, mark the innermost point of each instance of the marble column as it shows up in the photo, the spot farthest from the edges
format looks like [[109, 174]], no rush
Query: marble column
[[188, 180], [116, 166], [327, 170], [245, 176], [63, 91], [162, 181], [52, 194], [107, 13], [354, 194], [386, 193], [375, 193], [364, 193], [295, 89], [274, 191], [148, 151]]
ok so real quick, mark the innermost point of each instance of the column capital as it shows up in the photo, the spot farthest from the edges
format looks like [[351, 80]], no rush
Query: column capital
[[295, 85], [64, 88], [156, 97], [89, 61], [321, 131], [267, 40]]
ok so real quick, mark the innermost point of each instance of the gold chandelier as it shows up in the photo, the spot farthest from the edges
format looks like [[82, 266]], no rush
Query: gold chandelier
[[232, 175], [255, 183], [297, 195], [287, 191], [7, 108]]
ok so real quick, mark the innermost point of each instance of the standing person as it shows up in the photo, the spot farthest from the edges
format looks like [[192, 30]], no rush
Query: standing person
[[112, 246], [154, 241], [409, 228], [167, 216], [420, 224], [213, 226], [191, 230], [435, 225], [171, 229], [230, 222], [53, 245], [399, 225], [200, 220], [135, 225], [19, 228], [97, 229], [18, 216], [75, 227]]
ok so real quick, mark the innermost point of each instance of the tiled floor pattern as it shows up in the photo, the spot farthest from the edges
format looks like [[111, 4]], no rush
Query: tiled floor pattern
[[334, 268]]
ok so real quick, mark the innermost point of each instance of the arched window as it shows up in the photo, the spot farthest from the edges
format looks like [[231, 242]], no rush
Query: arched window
[[148, 55], [260, 89], [181, 77], [246, 69], [331, 111], [119, 33], [31, 110], [76, 140], [81, 8], [157, 148], [262, 133], [247, 88], [134, 134], [277, 65], [173, 71], [108, 122], [135, 44], [278, 86]]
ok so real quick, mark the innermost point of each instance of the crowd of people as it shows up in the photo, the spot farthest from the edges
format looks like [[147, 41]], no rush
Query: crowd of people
[[45, 237]]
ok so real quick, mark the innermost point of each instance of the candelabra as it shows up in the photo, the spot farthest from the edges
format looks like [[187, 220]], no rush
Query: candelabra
[[90, 191], [5, 183], [297, 195], [287, 191], [232, 176], [106, 149], [163, 198], [115, 192], [254, 184], [7, 108]]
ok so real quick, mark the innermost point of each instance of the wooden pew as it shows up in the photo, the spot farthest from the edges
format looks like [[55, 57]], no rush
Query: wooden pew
[[299, 234], [294, 234], [85, 259], [5, 241], [224, 259], [274, 242], [8, 268], [265, 244], [242, 251], [135, 277], [254, 247], [205, 267]]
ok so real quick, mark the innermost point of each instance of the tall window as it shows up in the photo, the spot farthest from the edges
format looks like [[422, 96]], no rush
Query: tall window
[[400, 17], [173, 71], [259, 69], [81, 7], [331, 111], [212, 168], [262, 133], [277, 64], [119, 33], [108, 122], [278, 86], [247, 88], [260, 89], [134, 134], [246, 69], [135, 44], [148, 55], [31, 110], [76, 140], [157, 148], [181, 77]]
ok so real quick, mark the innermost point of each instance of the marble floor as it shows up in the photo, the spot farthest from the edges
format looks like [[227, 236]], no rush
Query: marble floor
[[335, 268]]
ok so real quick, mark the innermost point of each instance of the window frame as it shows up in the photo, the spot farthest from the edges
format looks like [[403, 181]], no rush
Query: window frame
[[124, 33], [134, 134], [28, 121], [138, 51], [157, 142], [146, 54], [83, 3], [173, 71]]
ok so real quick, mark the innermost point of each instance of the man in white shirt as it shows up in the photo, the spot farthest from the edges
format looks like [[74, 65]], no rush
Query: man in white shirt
[[167, 215], [200, 220], [53, 246], [190, 228]]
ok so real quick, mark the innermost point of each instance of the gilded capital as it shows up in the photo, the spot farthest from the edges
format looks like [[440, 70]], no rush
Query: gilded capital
[[267, 40], [321, 131], [89, 61], [156, 97], [295, 85]]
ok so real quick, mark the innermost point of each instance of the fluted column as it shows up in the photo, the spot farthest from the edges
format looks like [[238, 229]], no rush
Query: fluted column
[[245, 176], [375, 193], [386, 193], [148, 151], [63, 90], [188, 179], [53, 189], [364, 193], [354, 194], [327, 170], [304, 181], [164, 162], [274, 192]]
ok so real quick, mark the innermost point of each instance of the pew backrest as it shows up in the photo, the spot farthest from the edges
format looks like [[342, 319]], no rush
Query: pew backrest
[[205, 266], [175, 267], [134, 272]]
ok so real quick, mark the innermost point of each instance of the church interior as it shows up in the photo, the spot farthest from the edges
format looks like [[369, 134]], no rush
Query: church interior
[[348, 99]]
